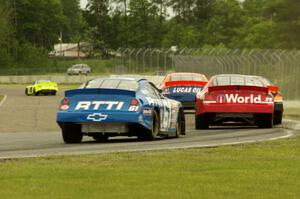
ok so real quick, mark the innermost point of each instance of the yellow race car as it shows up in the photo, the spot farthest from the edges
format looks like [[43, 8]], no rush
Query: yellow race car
[[42, 87]]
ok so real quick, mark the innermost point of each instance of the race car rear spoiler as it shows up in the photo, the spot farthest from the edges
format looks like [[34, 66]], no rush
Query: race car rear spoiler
[[102, 91], [236, 87], [186, 83]]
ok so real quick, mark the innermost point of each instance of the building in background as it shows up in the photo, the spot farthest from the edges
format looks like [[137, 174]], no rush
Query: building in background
[[71, 50]]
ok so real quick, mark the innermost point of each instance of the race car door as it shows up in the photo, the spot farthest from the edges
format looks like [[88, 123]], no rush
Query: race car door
[[164, 107]]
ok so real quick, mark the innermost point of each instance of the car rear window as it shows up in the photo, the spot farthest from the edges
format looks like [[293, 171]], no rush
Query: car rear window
[[187, 77], [112, 84], [237, 80]]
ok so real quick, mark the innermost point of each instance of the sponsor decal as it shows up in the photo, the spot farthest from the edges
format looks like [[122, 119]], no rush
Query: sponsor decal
[[187, 90], [154, 102], [235, 98], [165, 111], [96, 105], [96, 117], [133, 108]]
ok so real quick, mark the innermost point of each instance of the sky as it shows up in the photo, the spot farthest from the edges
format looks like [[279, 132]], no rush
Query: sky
[[83, 3]]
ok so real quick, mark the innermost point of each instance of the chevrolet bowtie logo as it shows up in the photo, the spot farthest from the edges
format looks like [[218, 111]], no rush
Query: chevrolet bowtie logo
[[97, 117]]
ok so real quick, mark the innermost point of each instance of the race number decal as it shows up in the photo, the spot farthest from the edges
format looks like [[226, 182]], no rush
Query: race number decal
[[96, 105]]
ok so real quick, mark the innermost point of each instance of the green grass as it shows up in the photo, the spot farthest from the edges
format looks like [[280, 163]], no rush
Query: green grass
[[98, 66], [265, 170]]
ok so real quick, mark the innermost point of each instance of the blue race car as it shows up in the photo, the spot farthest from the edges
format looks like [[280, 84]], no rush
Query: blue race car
[[108, 107]]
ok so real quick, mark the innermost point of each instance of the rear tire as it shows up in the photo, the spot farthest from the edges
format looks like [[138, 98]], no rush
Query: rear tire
[[35, 93], [277, 117], [201, 121], [71, 133], [265, 121], [180, 126]]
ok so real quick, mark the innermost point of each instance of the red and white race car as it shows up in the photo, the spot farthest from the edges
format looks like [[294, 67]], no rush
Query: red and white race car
[[240, 99]]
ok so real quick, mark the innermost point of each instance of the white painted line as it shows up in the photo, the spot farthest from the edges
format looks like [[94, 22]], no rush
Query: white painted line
[[193, 146], [3, 100]]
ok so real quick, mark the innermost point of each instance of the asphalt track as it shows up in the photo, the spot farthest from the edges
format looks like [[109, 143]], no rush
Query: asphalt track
[[28, 129]]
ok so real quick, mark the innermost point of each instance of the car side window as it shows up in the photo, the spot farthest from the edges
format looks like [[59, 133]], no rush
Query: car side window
[[150, 91], [154, 91]]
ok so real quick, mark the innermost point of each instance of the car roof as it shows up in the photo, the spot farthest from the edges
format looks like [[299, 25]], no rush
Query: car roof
[[120, 78], [238, 75], [113, 83]]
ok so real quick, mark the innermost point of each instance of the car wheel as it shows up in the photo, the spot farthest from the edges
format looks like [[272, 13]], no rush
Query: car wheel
[[277, 117], [180, 126], [201, 122], [100, 137], [54, 93], [71, 133], [26, 92], [151, 134], [265, 121]]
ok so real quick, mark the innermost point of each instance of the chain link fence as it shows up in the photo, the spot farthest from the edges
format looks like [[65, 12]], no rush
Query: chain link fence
[[282, 67]]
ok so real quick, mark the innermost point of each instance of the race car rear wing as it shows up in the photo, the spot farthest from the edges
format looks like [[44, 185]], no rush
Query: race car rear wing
[[101, 91], [237, 87], [185, 83]]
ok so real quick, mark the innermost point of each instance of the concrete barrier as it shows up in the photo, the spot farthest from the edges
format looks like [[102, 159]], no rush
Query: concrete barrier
[[65, 79], [61, 79]]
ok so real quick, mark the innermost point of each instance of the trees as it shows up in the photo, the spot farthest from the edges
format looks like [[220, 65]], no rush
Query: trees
[[73, 26], [39, 22], [225, 24], [28, 27], [6, 33], [99, 21], [143, 23], [286, 16]]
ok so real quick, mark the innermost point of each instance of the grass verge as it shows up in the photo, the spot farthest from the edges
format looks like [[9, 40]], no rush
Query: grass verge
[[264, 170]]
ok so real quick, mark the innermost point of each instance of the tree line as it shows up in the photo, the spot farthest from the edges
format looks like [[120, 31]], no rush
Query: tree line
[[29, 29]]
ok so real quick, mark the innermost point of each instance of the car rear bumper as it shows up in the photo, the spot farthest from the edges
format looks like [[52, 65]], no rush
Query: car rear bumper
[[104, 118], [48, 91], [235, 108]]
